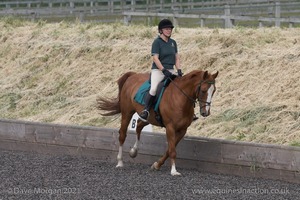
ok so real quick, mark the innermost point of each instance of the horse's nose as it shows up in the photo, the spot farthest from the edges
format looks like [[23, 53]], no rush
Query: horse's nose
[[204, 114]]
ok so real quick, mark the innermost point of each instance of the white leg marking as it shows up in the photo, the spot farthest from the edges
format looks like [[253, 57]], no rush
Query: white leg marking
[[174, 172], [119, 157]]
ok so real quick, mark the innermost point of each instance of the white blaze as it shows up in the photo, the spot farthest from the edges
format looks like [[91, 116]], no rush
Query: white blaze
[[209, 96]]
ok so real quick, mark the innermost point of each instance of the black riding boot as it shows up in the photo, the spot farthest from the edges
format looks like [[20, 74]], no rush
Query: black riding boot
[[144, 115]]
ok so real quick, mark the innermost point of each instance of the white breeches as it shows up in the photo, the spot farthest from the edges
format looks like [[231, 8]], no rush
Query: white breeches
[[156, 77]]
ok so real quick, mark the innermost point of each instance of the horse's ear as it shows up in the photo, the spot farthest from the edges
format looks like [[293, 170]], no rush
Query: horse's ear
[[205, 75], [215, 75]]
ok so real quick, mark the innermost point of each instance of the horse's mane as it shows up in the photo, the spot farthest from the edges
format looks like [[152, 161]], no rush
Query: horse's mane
[[197, 74], [191, 75]]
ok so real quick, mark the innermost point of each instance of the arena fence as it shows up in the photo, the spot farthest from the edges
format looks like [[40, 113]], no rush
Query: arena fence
[[210, 155]]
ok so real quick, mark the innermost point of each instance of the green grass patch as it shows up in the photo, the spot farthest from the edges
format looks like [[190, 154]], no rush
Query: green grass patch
[[247, 117], [11, 21], [241, 122], [295, 143], [9, 101]]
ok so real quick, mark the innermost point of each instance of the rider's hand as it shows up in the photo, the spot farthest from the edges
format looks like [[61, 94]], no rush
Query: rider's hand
[[167, 73], [179, 72]]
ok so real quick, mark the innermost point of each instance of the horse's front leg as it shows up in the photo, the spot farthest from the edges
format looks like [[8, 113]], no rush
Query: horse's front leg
[[171, 152], [178, 137], [160, 162], [173, 140]]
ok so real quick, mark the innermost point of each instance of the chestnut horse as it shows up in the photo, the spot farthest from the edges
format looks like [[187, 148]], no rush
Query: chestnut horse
[[176, 108]]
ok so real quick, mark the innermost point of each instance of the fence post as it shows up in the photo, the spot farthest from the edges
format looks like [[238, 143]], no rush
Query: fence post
[[191, 6], [175, 13], [33, 16], [277, 14], [111, 6], [72, 6], [161, 4], [227, 20], [92, 5], [127, 19], [133, 3], [202, 22], [81, 16]]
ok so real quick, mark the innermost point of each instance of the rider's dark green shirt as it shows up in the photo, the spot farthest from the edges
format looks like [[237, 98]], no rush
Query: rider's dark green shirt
[[166, 52]]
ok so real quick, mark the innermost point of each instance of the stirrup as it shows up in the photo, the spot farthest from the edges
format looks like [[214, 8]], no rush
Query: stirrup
[[143, 117]]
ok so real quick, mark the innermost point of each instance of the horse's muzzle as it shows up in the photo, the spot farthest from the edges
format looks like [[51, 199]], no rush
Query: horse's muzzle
[[204, 114]]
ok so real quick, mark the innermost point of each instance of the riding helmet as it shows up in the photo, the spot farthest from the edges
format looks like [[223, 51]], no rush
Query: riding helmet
[[165, 23]]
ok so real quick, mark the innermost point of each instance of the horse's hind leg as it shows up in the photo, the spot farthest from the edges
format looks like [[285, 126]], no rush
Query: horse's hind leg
[[134, 150], [122, 136]]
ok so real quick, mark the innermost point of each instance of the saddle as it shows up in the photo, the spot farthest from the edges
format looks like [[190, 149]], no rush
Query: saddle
[[142, 94]]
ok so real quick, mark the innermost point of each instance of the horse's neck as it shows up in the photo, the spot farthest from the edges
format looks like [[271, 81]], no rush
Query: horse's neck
[[186, 90]]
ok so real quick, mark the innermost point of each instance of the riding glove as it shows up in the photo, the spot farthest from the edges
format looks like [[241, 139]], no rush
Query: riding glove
[[179, 72], [167, 73]]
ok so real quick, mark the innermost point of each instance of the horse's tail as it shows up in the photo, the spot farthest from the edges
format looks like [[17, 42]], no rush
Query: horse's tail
[[112, 105]]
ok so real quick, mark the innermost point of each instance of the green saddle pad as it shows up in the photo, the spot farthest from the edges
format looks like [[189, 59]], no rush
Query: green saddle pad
[[143, 91]]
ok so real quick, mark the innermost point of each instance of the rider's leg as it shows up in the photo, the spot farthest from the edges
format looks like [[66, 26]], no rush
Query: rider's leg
[[145, 113], [156, 77]]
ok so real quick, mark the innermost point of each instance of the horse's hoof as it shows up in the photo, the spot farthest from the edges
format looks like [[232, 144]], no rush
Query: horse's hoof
[[120, 164], [175, 173], [155, 166], [133, 152]]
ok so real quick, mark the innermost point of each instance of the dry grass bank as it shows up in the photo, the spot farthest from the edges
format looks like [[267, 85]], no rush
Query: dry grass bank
[[54, 72]]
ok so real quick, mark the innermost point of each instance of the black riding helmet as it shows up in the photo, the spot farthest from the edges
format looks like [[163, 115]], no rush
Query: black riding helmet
[[165, 23]]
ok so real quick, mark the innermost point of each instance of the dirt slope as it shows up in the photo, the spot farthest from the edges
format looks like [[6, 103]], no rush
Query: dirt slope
[[54, 73]]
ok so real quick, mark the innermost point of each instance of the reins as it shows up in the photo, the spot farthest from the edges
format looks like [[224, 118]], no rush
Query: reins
[[197, 93], [190, 98]]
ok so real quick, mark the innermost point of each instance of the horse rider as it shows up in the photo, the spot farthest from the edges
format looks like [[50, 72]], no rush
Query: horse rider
[[165, 56]]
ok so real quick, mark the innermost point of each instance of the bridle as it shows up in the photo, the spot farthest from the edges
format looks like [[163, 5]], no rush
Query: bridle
[[198, 94]]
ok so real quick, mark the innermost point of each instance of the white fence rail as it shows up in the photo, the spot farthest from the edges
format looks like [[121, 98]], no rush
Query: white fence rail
[[224, 13], [229, 20]]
